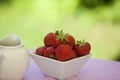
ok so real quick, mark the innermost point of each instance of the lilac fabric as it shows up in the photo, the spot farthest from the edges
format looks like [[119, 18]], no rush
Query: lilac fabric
[[94, 69]]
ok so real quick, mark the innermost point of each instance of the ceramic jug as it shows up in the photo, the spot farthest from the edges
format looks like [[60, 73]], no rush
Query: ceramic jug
[[14, 58]]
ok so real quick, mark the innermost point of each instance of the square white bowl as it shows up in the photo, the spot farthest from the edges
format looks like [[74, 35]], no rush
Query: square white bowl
[[58, 69]]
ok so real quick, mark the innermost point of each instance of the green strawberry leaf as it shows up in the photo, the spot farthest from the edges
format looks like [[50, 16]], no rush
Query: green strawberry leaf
[[80, 43]]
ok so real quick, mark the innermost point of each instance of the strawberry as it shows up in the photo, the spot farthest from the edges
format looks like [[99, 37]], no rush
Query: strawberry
[[73, 54], [66, 38], [70, 40], [61, 46], [82, 48], [49, 52], [51, 40], [63, 52], [40, 50]]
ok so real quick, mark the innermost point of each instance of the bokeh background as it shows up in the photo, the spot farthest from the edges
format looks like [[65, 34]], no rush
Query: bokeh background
[[96, 21]]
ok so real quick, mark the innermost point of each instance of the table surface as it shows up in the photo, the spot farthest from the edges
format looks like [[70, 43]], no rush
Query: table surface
[[94, 69]]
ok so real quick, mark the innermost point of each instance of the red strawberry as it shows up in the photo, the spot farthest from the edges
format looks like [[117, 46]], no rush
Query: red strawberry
[[40, 50], [70, 40], [49, 52], [63, 52], [51, 40], [73, 54], [82, 49]]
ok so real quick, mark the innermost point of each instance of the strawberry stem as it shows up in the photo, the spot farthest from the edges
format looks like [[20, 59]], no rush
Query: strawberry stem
[[57, 32], [60, 35], [80, 43]]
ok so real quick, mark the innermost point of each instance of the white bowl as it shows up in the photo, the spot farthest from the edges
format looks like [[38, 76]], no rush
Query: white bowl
[[58, 69]]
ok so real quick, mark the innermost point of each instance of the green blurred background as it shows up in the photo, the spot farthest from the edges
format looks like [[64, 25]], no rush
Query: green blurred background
[[96, 21]]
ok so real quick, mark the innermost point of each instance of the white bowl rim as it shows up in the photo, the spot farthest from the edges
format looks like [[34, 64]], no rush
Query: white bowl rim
[[63, 62]]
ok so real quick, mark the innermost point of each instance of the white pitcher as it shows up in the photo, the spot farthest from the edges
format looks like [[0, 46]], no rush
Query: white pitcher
[[14, 58]]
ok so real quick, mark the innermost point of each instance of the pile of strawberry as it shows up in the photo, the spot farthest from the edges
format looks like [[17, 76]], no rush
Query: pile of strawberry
[[62, 47]]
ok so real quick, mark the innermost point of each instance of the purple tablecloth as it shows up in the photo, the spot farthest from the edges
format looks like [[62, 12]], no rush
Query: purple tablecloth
[[94, 69]]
